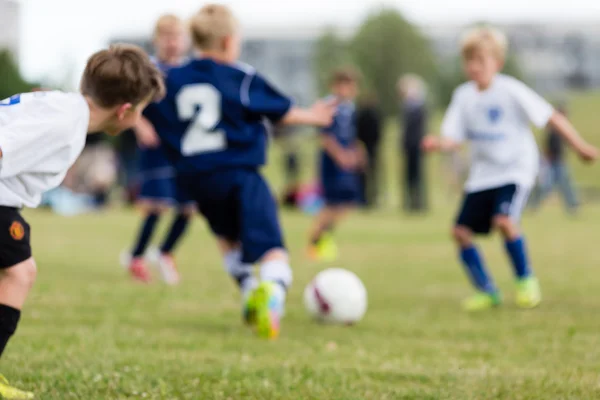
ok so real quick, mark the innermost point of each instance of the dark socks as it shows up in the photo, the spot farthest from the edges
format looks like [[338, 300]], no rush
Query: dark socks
[[177, 230], [9, 319], [145, 235], [476, 270], [517, 252]]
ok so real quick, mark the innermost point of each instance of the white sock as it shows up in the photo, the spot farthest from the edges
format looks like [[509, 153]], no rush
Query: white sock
[[277, 271], [242, 273]]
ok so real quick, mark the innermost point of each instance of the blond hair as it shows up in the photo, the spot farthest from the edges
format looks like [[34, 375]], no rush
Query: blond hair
[[166, 22], [122, 74], [484, 39], [411, 86], [211, 24]]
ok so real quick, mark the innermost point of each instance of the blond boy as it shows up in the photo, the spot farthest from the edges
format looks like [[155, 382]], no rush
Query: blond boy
[[41, 136], [493, 113], [214, 127]]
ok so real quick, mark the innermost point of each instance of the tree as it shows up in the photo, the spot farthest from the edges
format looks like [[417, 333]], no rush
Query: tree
[[331, 52], [11, 81], [386, 47]]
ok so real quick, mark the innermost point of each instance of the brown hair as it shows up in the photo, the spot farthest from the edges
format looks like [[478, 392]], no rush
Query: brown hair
[[166, 22], [212, 23], [484, 39], [344, 75], [122, 74]]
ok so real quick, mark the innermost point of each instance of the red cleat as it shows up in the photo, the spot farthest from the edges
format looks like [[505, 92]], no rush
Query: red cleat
[[139, 271]]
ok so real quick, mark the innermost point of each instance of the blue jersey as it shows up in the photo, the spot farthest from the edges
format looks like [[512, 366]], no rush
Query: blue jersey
[[343, 130], [213, 116], [153, 162]]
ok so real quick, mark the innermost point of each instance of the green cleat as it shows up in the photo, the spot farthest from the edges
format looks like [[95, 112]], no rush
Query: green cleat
[[482, 301], [8, 392], [267, 304], [325, 251], [529, 294]]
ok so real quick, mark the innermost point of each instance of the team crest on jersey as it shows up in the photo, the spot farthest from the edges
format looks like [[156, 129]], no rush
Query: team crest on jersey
[[17, 231], [494, 114]]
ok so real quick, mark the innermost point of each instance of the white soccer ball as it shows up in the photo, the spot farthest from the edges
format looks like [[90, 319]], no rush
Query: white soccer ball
[[336, 296]]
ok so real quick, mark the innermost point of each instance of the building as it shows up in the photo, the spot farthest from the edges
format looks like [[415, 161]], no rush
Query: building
[[9, 21]]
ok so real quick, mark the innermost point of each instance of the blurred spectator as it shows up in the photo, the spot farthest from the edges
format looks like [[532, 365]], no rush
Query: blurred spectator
[[554, 172], [287, 136], [368, 131], [127, 152], [412, 92]]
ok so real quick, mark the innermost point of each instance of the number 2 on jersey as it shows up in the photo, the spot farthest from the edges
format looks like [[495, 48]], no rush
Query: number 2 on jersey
[[200, 103]]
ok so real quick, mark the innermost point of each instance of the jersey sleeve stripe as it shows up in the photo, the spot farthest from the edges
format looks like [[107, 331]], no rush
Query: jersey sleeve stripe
[[245, 89]]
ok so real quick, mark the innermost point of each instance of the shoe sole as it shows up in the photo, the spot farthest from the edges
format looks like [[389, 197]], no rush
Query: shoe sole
[[267, 320]]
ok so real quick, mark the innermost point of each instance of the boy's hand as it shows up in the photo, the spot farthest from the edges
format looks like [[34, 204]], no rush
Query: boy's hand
[[362, 158], [146, 135], [347, 160], [430, 143], [587, 152], [323, 112]]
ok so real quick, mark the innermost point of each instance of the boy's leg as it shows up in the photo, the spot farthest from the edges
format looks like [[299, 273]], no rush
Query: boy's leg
[[17, 275], [242, 273], [475, 216], [566, 186], [511, 201]]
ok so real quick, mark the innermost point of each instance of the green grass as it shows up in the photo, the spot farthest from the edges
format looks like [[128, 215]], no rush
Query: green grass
[[89, 333]]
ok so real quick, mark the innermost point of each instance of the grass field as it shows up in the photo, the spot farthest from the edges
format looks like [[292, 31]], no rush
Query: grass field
[[90, 333]]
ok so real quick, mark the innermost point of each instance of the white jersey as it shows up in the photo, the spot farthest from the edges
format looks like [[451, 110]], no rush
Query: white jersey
[[41, 136], [497, 122]]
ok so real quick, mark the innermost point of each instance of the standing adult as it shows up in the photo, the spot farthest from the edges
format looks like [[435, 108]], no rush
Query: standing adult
[[413, 115], [368, 131]]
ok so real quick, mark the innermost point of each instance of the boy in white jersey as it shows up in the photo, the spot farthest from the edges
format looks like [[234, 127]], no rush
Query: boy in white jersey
[[493, 113], [41, 136]]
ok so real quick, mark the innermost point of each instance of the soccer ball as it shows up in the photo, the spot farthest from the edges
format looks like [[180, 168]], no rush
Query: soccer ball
[[336, 296]]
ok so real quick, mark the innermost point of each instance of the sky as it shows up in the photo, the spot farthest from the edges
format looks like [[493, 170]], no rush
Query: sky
[[58, 35]]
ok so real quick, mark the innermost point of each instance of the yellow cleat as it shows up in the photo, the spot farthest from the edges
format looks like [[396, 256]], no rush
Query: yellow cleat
[[325, 250], [529, 294], [481, 301], [8, 392]]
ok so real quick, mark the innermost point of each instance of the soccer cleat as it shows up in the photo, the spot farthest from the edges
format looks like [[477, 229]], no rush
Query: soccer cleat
[[267, 305], [324, 250], [138, 270], [167, 268], [529, 294], [8, 392], [482, 301]]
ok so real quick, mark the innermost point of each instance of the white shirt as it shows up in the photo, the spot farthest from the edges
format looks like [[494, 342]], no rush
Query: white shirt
[[496, 122], [41, 136]]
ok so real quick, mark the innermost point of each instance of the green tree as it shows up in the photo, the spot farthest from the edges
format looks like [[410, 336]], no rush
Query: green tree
[[331, 52], [387, 46], [11, 81]]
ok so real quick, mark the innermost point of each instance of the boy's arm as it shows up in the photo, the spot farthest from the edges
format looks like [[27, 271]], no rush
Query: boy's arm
[[339, 154], [453, 128], [320, 114], [146, 134], [566, 130]]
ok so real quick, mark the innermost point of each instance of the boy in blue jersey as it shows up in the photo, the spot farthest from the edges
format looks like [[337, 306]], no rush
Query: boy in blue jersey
[[341, 158], [213, 122], [158, 190]]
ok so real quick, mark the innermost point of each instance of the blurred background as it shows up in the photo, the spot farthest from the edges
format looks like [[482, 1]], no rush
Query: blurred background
[[406, 51]]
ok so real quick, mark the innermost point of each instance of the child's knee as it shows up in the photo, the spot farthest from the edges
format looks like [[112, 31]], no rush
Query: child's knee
[[23, 274], [505, 225], [462, 235]]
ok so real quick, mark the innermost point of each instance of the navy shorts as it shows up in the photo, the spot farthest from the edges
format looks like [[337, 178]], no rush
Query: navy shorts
[[479, 208], [157, 179], [340, 189], [239, 206]]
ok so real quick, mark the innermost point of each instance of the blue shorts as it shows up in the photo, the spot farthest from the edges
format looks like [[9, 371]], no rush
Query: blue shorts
[[340, 189], [479, 208], [157, 179], [239, 206]]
